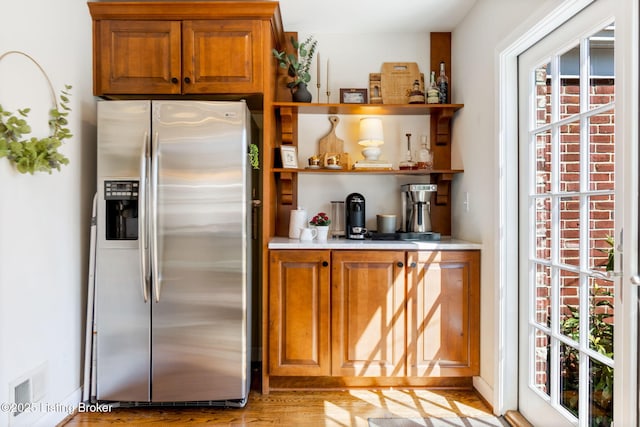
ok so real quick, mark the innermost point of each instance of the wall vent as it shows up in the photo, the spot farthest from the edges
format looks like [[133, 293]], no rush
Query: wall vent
[[21, 396]]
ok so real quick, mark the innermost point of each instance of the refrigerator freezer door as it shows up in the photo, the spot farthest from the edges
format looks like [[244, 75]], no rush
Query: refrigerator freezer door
[[122, 317], [200, 319]]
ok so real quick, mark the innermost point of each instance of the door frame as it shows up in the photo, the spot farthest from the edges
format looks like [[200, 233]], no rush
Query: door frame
[[505, 393]]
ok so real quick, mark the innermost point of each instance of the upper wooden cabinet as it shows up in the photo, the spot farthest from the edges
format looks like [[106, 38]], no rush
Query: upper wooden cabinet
[[183, 48]]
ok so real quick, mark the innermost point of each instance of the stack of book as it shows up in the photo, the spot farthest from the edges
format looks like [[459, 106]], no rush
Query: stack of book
[[372, 165]]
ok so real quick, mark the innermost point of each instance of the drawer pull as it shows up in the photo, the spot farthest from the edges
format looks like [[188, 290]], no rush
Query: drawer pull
[[174, 80], [400, 264], [187, 80], [325, 263]]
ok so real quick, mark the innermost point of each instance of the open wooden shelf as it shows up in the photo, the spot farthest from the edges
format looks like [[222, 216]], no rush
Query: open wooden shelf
[[370, 171], [370, 109]]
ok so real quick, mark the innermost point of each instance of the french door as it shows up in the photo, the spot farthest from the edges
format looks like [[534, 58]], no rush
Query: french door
[[567, 222]]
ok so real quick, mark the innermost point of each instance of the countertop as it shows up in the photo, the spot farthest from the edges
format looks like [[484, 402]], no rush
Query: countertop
[[441, 245]]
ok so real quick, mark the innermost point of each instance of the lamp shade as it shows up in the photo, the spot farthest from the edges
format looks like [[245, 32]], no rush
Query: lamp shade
[[371, 134]]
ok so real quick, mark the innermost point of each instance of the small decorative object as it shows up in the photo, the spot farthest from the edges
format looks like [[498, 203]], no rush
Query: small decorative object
[[416, 96], [33, 154], [297, 66], [425, 156], [408, 164], [254, 158], [320, 219], [433, 94], [375, 88], [397, 80], [321, 222], [289, 156], [443, 85], [371, 138], [331, 148], [353, 96]]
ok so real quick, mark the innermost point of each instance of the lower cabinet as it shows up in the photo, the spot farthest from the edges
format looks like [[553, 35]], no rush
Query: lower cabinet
[[373, 314]]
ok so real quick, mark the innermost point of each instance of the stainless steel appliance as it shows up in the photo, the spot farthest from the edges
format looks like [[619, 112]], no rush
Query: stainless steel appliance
[[355, 216], [416, 207], [172, 296]]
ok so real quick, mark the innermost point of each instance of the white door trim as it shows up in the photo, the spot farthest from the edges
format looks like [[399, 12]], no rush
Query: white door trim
[[506, 389]]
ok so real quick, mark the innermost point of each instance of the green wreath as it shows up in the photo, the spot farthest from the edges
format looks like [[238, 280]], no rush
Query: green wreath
[[33, 154]]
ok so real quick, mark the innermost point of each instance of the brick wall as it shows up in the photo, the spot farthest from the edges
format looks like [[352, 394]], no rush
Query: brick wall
[[600, 207]]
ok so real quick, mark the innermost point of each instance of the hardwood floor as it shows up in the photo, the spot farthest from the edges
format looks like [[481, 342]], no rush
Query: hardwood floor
[[300, 408]]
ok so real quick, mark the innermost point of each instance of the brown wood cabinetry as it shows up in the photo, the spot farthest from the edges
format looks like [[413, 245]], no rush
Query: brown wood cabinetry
[[183, 47], [443, 313], [368, 313], [381, 318], [299, 314]]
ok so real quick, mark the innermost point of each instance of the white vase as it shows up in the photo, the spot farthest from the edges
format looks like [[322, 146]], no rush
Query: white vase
[[323, 232]]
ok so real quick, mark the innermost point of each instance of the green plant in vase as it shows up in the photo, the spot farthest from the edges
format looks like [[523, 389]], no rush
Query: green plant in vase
[[298, 65]]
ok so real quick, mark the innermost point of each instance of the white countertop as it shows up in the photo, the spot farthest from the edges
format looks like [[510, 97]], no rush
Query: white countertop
[[443, 245]]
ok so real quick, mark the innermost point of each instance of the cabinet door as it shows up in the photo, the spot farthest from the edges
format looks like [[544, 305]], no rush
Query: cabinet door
[[299, 313], [444, 313], [368, 313], [222, 56], [137, 57]]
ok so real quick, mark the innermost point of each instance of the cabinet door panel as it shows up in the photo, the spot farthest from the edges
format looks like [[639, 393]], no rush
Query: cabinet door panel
[[138, 57], [222, 56], [444, 314], [299, 313], [368, 313]]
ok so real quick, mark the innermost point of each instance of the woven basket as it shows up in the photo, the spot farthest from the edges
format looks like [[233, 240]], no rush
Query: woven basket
[[397, 81]]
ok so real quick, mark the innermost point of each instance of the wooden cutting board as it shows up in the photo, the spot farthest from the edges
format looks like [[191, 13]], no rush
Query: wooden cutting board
[[331, 143]]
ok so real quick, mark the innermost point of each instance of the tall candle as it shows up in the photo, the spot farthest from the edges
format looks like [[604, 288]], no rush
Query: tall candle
[[327, 75]]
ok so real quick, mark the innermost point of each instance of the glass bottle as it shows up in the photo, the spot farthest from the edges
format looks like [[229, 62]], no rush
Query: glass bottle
[[443, 85], [408, 164], [425, 156], [433, 94]]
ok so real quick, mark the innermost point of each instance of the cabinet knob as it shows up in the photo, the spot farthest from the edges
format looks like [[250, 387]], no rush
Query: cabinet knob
[[400, 264], [325, 264], [174, 80], [187, 80], [413, 265]]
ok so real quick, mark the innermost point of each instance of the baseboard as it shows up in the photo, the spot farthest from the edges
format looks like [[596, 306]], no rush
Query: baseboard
[[485, 391], [57, 412]]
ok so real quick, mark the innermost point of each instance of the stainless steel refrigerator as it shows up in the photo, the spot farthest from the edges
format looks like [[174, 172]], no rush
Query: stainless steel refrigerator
[[172, 290]]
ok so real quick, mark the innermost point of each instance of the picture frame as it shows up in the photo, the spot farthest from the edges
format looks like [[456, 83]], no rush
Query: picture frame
[[353, 96], [289, 156]]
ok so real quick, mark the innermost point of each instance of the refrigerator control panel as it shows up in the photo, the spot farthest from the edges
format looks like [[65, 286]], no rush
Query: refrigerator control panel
[[121, 190]]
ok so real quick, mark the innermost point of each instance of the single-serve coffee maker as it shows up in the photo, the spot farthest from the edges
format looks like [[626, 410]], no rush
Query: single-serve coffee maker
[[355, 217], [416, 207]]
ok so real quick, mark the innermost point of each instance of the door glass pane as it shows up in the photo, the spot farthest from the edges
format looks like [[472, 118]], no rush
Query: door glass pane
[[543, 162], [569, 378], [570, 304], [570, 157], [601, 72], [542, 361], [601, 229], [543, 94], [600, 394], [543, 295], [601, 151], [543, 227], [570, 83], [569, 243], [601, 318]]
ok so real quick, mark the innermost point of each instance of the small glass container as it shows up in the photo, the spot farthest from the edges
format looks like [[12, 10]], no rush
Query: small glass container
[[425, 156], [408, 164]]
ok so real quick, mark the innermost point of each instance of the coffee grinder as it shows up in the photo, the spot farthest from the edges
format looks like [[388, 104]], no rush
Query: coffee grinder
[[355, 216], [416, 207]]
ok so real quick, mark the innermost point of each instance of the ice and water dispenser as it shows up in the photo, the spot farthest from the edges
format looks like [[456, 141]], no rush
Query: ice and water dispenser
[[121, 199]]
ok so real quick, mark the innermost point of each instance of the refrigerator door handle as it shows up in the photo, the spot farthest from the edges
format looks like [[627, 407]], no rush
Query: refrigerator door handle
[[155, 155], [143, 227]]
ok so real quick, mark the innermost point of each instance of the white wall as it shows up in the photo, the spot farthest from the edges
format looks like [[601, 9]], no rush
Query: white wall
[[44, 219], [350, 68], [491, 23]]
